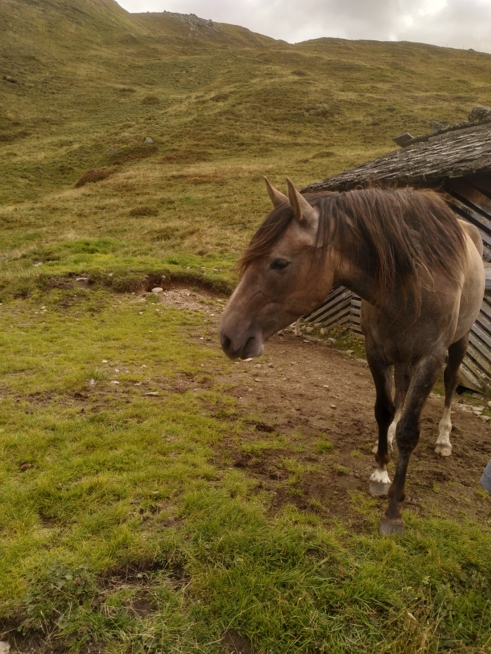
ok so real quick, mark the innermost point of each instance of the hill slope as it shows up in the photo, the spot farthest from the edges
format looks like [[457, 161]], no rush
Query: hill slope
[[222, 105]]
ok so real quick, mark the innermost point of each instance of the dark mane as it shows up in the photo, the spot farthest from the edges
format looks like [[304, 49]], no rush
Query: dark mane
[[407, 233]]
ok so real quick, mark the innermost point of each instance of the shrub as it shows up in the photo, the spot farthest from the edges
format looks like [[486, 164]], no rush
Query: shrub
[[92, 176]]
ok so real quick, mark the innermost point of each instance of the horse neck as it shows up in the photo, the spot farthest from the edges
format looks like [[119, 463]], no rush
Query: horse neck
[[356, 270]]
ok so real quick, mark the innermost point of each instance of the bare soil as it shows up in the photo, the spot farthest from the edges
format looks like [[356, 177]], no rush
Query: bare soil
[[310, 442]]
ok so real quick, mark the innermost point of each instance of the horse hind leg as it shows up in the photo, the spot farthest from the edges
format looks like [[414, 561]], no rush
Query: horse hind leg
[[456, 353]]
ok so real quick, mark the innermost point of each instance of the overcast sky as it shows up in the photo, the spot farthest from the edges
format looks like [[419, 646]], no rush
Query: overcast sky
[[452, 23]]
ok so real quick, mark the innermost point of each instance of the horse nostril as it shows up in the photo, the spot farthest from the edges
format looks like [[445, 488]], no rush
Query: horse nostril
[[226, 343]]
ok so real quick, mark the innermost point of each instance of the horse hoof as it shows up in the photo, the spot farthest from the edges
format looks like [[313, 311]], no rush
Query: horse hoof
[[389, 527], [443, 449], [378, 488]]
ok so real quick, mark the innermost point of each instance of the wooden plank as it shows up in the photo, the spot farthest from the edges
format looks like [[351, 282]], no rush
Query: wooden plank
[[328, 311], [473, 381], [480, 354], [476, 371], [337, 319], [468, 213], [344, 296], [484, 323], [486, 308], [481, 182], [475, 360], [481, 360], [471, 194], [477, 331]]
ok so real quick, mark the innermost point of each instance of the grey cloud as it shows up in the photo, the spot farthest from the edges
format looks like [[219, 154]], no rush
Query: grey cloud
[[453, 23]]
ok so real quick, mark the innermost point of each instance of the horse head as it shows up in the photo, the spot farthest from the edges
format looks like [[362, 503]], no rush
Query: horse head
[[280, 281]]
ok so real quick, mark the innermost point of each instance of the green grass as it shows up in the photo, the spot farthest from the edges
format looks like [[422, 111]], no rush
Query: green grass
[[122, 528], [113, 499]]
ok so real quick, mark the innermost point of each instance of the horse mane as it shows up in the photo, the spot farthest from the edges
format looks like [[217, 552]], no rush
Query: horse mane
[[408, 235]]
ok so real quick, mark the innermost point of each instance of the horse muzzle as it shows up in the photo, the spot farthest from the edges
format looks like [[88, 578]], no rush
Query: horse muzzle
[[241, 346]]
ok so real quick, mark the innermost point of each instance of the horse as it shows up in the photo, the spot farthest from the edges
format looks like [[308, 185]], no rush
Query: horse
[[420, 274]]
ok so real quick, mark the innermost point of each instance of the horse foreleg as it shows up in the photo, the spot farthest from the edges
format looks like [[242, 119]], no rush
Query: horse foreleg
[[456, 354], [424, 375], [401, 381], [384, 414]]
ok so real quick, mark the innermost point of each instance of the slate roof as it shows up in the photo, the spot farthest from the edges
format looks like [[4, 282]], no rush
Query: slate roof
[[453, 152]]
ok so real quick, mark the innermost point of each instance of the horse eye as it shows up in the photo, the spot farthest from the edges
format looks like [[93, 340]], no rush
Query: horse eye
[[279, 264]]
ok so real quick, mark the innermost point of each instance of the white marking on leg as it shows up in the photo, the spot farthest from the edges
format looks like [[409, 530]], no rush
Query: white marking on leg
[[380, 475], [391, 434], [443, 445], [379, 483]]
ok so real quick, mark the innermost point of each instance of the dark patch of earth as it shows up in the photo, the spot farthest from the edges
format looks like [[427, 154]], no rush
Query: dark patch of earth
[[304, 393]]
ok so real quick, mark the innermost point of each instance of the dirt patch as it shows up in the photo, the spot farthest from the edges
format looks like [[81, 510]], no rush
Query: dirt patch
[[311, 444], [233, 643], [181, 297]]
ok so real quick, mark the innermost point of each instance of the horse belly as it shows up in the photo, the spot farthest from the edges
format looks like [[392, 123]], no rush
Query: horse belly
[[407, 337]]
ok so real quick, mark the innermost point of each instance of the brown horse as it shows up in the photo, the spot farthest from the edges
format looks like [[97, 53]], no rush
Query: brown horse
[[420, 274]]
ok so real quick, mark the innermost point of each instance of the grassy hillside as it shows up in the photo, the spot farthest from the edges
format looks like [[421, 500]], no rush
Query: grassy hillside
[[121, 530], [224, 106]]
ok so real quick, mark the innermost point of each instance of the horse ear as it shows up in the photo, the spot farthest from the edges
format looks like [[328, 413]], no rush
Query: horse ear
[[304, 212], [277, 197]]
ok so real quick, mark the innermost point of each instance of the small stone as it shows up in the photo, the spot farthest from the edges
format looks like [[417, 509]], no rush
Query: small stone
[[12, 80], [105, 361], [333, 406], [349, 352], [114, 382], [309, 330], [257, 380], [39, 263], [332, 341], [323, 331], [157, 289], [148, 140], [477, 114], [325, 386], [485, 418], [91, 382], [270, 365], [152, 393], [4, 647]]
